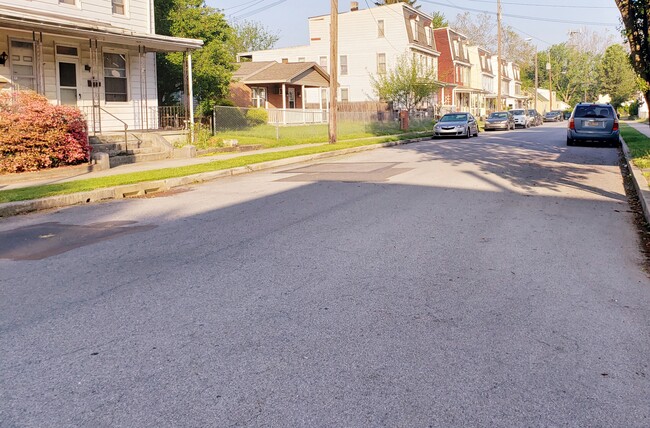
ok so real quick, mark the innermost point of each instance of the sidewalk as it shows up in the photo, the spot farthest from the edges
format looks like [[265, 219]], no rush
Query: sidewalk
[[148, 166]]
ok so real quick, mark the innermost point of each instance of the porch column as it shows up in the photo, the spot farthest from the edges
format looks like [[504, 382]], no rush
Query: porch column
[[190, 95], [302, 100], [284, 103]]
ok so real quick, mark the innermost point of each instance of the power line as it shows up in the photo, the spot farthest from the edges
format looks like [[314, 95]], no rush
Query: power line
[[238, 5], [546, 5], [533, 18], [241, 9], [261, 9]]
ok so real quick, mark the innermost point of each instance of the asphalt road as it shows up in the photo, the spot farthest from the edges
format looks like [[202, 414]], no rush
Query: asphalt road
[[495, 281]]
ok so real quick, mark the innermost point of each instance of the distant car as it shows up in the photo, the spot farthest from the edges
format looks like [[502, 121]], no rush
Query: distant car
[[521, 118], [500, 120], [553, 116], [596, 123], [456, 124], [566, 114], [536, 117]]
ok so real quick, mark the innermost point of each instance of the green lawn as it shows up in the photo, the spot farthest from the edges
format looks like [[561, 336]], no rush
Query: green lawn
[[267, 135], [639, 146], [65, 188]]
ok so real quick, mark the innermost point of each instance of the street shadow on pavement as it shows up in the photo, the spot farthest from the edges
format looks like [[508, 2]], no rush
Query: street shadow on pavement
[[527, 164]]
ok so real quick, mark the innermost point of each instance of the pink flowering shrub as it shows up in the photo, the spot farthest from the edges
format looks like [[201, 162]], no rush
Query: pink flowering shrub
[[35, 134]]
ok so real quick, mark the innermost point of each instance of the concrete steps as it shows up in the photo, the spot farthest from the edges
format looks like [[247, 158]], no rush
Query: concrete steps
[[137, 148]]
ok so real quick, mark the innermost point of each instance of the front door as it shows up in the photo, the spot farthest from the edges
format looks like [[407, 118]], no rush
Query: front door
[[68, 82], [291, 94]]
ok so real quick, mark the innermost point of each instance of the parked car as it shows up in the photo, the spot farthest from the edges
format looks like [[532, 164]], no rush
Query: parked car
[[553, 116], [500, 120], [596, 123], [521, 118], [456, 124], [566, 114], [536, 117]]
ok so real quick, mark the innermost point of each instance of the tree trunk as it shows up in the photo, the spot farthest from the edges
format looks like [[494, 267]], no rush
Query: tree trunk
[[647, 99]]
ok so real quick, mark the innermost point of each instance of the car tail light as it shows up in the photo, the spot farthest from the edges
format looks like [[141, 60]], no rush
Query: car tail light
[[572, 123], [615, 128]]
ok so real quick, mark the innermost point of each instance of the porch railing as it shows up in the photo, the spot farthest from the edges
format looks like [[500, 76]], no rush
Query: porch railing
[[168, 117]]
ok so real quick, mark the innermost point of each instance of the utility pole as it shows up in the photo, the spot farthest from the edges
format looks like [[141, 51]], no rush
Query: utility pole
[[550, 83], [334, 64], [499, 55], [536, 81]]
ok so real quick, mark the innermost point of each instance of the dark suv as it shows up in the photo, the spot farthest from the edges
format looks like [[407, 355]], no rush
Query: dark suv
[[596, 123]]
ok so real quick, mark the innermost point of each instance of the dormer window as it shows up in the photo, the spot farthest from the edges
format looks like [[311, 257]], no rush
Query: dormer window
[[414, 28], [429, 34], [380, 29], [456, 48]]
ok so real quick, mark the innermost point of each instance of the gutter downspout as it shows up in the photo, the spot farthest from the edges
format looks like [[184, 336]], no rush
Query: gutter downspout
[[190, 95]]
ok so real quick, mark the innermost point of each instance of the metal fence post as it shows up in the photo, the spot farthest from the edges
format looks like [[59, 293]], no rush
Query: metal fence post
[[214, 120]]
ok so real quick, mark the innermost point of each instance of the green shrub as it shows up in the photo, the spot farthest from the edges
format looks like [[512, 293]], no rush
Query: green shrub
[[35, 134], [257, 116]]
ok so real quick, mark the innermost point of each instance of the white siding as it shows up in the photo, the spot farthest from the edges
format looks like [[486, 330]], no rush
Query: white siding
[[358, 40], [136, 17]]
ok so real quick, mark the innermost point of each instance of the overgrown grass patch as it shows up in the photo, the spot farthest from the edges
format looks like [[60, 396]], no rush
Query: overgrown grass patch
[[65, 188]]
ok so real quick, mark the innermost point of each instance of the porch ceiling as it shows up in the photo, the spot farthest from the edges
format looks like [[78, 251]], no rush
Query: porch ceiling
[[54, 24]]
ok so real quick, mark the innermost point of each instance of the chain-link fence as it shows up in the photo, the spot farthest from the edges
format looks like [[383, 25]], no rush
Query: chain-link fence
[[275, 127]]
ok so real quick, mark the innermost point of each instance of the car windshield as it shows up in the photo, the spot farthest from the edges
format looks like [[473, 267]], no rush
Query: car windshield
[[552, 113], [498, 116], [454, 118], [517, 112], [531, 112], [593, 111]]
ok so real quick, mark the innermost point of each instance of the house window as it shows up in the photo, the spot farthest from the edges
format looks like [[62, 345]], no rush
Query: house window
[[344, 95], [456, 48], [344, 65], [322, 61], [429, 35], [258, 97], [323, 97], [23, 66], [380, 29], [72, 2], [118, 7], [115, 81], [381, 63], [414, 29], [301, 59]]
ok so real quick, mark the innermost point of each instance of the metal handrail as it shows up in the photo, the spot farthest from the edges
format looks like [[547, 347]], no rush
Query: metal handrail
[[126, 126]]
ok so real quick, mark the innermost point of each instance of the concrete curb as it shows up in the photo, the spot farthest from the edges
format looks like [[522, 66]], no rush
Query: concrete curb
[[639, 180], [118, 192]]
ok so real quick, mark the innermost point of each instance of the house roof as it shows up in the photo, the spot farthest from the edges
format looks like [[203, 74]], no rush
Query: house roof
[[52, 23], [295, 73]]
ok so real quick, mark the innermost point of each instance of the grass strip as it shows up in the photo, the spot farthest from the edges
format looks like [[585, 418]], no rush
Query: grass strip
[[37, 192], [639, 145]]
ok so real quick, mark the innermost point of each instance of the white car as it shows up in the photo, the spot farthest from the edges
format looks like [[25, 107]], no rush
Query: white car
[[521, 118]]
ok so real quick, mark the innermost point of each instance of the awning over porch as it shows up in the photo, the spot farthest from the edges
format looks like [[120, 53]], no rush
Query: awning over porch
[[50, 23]]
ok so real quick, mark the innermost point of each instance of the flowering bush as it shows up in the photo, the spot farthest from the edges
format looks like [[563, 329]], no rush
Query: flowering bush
[[35, 134]]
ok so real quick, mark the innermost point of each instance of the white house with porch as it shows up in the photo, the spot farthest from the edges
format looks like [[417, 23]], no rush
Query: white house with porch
[[96, 54]]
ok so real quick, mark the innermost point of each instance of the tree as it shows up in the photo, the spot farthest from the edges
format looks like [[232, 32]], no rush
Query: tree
[[212, 64], [572, 72], [438, 20], [480, 29], [406, 85], [252, 36], [635, 15], [410, 2], [616, 76]]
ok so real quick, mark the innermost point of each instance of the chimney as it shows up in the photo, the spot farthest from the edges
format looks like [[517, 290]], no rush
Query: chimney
[[354, 6]]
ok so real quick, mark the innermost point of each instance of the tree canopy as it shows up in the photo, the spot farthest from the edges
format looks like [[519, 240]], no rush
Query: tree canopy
[[212, 64], [406, 85], [616, 76], [252, 36], [635, 15]]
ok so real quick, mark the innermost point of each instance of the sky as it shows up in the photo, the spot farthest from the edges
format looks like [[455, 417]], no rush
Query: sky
[[536, 19]]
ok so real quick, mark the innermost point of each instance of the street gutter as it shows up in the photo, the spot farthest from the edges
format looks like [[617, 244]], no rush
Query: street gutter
[[639, 181]]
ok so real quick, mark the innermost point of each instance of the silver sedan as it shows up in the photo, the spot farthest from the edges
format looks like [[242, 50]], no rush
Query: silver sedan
[[456, 125]]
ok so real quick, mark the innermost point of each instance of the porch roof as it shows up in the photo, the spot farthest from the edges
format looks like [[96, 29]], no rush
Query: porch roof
[[50, 23], [294, 73]]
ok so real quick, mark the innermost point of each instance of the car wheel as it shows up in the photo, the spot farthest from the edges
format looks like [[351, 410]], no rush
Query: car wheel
[[570, 142], [467, 133]]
